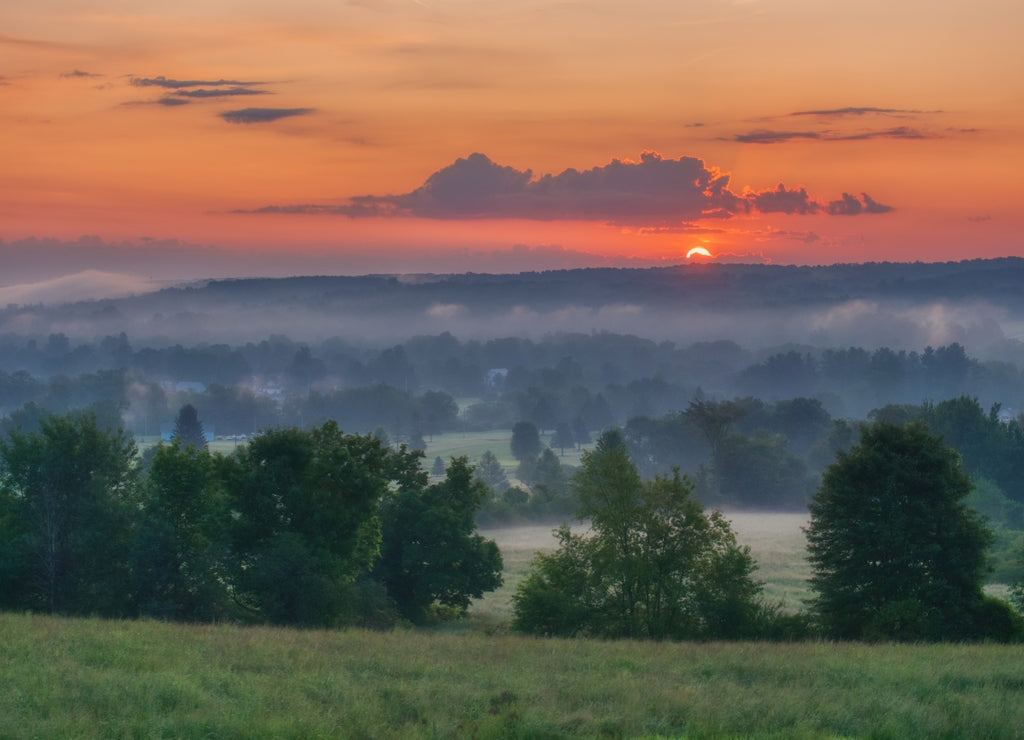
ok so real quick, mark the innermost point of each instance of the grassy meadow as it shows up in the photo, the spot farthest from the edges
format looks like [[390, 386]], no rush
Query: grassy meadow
[[90, 678]]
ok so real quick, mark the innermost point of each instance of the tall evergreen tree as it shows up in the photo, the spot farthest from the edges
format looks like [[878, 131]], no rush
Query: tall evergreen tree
[[188, 429]]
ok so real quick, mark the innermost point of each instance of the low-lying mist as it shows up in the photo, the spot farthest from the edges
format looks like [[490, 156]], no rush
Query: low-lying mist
[[975, 304]]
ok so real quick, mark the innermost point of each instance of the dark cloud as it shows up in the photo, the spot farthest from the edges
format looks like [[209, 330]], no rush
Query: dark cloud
[[782, 200], [80, 73], [855, 111], [762, 136], [172, 84], [653, 192], [169, 101], [262, 115], [850, 205], [765, 136], [228, 92], [900, 132]]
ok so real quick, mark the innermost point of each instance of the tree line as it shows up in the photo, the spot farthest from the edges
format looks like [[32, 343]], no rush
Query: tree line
[[302, 527], [322, 528], [896, 554], [593, 380]]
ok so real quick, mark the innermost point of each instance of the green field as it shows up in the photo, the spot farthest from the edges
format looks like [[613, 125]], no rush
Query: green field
[[475, 444], [472, 679], [92, 679]]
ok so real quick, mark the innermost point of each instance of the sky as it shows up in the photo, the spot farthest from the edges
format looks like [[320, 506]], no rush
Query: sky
[[205, 139]]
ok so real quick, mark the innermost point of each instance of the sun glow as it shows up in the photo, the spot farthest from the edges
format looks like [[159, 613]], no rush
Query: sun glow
[[698, 252]]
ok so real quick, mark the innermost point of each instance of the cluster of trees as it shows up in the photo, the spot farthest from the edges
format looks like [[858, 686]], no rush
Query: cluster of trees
[[653, 564], [564, 381], [896, 554], [754, 454], [302, 527]]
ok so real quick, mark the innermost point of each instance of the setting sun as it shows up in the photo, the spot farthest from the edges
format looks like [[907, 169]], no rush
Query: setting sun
[[698, 252]]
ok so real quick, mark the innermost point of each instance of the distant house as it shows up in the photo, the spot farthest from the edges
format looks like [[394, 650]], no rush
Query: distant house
[[496, 377]]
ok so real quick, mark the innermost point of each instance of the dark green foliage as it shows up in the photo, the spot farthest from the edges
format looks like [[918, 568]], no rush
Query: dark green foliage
[[68, 496], [655, 566], [431, 554], [760, 472], [179, 553], [304, 511], [438, 468], [438, 411], [188, 429], [896, 552], [563, 437], [525, 442], [552, 496]]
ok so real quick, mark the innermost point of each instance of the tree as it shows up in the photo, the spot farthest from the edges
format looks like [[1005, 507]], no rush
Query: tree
[[305, 518], [525, 441], [490, 471], [178, 554], [896, 553], [188, 430], [431, 553], [67, 497], [580, 432], [563, 437], [655, 566], [760, 472], [552, 496], [439, 411]]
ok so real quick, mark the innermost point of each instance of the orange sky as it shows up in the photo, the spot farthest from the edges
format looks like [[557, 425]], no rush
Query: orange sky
[[138, 121]]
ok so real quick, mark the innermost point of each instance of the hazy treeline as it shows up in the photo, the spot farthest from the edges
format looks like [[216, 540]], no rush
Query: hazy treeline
[[976, 303], [590, 380]]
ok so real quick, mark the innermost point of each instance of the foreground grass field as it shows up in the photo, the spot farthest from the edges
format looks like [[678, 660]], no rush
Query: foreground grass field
[[89, 678]]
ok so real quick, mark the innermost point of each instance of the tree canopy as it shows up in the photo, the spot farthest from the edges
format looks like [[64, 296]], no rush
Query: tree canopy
[[654, 565], [431, 553], [895, 551], [68, 493]]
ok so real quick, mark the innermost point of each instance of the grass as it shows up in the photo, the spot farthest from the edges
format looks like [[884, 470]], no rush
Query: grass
[[475, 444], [89, 678]]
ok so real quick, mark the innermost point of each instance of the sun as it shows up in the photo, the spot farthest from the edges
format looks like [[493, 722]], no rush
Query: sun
[[699, 252]]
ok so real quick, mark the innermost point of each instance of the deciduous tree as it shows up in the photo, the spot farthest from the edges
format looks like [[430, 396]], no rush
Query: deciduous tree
[[431, 553], [305, 521], [68, 495], [896, 552], [655, 565]]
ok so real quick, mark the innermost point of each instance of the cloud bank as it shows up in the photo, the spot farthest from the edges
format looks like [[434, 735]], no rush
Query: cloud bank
[[262, 115], [651, 191]]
